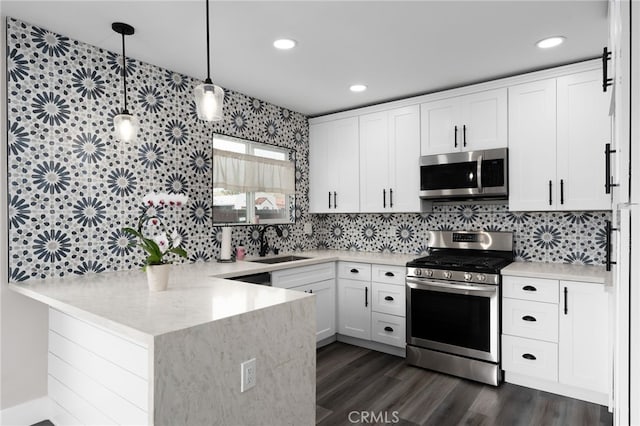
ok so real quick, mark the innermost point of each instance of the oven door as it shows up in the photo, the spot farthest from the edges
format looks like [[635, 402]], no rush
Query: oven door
[[457, 318]]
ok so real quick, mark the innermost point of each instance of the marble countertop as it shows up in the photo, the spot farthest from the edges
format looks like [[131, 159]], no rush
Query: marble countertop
[[197, 293], [559, 271]]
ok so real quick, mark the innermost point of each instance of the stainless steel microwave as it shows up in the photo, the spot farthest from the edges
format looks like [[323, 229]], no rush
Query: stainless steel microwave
[[464, 175]]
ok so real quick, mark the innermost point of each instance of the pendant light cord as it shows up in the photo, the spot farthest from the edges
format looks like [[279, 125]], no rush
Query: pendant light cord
[[124, 73], [208, 80]]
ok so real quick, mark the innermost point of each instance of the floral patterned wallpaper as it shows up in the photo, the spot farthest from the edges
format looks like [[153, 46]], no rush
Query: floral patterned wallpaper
[[72, 186]]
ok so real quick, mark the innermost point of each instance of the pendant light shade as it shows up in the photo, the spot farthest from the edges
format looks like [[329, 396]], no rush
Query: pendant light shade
[[209, 97], [125, 124]]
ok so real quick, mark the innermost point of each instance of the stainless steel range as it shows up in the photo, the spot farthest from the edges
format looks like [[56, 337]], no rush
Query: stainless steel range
[[453, 304]]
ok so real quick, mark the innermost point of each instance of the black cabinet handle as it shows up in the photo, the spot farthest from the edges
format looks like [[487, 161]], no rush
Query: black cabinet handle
[[607, 242], [389, 329], [384, 198], [561, 191], [390, 197], [455, 136], [329, 199], [529, 288], [335, 200], [389, 298], [566, 303], [366, 297], [355, 271], [550, 190], [607, 168], [606, 81], [389, 274], [311, 291], [529, 357], [529, 318], [464, 135]]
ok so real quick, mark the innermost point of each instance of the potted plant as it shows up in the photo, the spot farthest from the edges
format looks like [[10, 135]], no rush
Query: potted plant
[[160, 245]]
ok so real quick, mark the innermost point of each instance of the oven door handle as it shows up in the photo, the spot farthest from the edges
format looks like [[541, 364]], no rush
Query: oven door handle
[[450, 287], [479, 174]]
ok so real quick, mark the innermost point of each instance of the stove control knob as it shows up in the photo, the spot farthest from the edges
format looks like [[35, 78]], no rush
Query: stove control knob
[[467, 276], [428, 273], [481, 277], [447, 274], [418, 272]]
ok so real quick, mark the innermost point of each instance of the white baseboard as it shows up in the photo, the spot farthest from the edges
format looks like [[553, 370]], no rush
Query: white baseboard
[[28, 413], [375, 346]]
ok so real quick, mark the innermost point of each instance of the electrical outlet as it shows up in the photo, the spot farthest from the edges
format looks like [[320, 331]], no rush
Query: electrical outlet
[[247, 375]]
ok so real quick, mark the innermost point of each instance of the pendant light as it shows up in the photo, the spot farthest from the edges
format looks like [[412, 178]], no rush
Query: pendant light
[[209, 97], [125, 124]]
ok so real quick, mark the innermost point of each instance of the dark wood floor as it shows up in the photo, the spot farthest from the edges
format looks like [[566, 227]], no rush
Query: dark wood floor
[[353, 379]]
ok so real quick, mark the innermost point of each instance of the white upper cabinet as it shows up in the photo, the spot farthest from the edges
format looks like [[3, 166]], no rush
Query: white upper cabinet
[[333, 166], [532, 145], [389, 152], [584, 127], [557, 132], [464, 123]]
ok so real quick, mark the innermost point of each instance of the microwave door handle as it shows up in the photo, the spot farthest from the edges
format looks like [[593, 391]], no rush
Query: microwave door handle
[[479, 174]]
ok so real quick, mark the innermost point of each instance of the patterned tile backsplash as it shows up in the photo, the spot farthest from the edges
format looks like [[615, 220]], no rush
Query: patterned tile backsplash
[[558, 237], [72, 187]]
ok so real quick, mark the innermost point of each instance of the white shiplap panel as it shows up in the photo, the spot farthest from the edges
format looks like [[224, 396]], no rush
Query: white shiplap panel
[[78, 407], [120, 351], [120, 381], [104, 400]]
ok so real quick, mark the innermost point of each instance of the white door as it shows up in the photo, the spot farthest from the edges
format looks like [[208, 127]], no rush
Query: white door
[[325, 292], [319, 167], [532, 146], [483, 119], [583, 129], [344, 182], [439, 132], [404, 154], [354, 308], [583, 341], [374, 162]]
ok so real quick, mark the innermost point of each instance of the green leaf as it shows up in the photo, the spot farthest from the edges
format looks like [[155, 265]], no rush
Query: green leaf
[[179, 251], [133, 232]]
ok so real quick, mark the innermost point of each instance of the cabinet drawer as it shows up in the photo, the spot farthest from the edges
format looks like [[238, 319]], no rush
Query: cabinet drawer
[[388, 298], [388, 329], [530, 357], [388, 274], [293, 277], [354, 271], [534, 320], [537, 289]]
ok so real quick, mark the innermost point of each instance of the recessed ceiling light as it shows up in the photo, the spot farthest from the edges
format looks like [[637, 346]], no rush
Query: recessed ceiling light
[[358, 88], [550, 42], [284, 44]]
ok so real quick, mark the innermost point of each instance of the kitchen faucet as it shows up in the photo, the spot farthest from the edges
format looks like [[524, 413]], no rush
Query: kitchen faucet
[[264, 246]]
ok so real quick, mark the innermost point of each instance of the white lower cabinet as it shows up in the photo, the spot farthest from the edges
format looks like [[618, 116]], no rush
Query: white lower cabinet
[[371, 302], [354, 308], [318, 280], [555, 337]]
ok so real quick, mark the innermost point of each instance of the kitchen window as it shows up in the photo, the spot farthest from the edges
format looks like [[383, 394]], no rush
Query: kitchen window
[[252, 182]]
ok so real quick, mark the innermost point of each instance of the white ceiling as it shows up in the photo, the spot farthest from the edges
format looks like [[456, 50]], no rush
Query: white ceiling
[[397, 48]]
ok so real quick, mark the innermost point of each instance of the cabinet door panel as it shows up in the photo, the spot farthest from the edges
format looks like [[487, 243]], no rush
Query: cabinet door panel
[[583, 129], [530, 357], [438, 119], [532, 146], [374, 162], [354, 308], [344, 165], [533, 320], [319, 168], [404, 154], [583, 339], [325, 292], [483, 120], [389, 329]]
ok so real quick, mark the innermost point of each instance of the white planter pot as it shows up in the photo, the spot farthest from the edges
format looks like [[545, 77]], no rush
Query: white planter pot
[[158, 277]]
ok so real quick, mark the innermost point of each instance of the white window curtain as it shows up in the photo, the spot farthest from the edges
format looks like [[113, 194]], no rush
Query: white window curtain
[[250, 173]]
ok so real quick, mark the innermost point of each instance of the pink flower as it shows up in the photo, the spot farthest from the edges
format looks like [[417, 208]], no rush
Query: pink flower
[[154, 221]]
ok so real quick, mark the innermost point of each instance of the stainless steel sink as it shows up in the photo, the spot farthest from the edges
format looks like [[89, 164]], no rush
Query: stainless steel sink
[[279, 259]]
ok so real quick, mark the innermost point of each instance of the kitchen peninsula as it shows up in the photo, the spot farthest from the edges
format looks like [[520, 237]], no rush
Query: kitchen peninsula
[[173, 357]]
